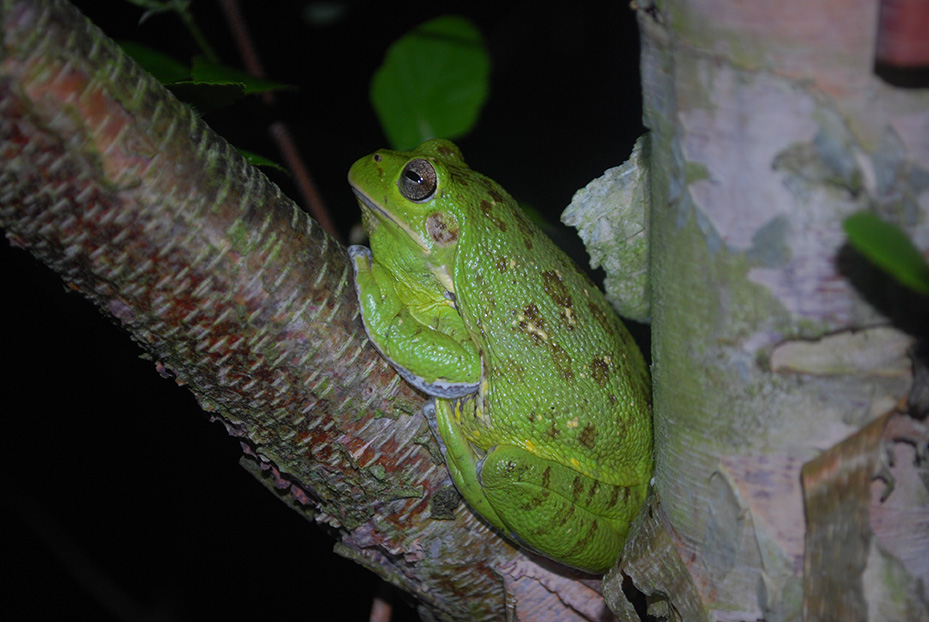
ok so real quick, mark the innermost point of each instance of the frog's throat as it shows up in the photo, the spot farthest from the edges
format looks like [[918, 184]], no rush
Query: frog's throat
[[366, 203]]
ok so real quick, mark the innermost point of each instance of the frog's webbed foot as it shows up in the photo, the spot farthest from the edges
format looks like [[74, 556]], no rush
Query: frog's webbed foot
[[356, 251], [429, 409]]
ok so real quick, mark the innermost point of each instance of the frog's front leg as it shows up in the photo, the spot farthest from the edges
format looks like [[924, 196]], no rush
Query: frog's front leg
[[423, 337], [543, 504]]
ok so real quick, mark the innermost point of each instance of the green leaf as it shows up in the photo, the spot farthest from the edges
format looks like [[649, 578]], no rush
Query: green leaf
[[211, 86], [206, 86], [207, 97], [433, 83], [259, 160], [156, 7], [888, 247], [165, 68], [205, 71]]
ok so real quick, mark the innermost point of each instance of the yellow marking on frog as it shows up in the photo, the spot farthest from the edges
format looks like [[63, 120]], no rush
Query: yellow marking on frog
[[530, 446], [572, 423], [441, 273], [575, 463], [531, 327]]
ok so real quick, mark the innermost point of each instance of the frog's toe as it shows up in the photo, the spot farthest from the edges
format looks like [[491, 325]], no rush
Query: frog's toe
[[357, 250]]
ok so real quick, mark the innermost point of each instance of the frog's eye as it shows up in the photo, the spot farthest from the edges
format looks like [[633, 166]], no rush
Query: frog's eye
[[418, 180]]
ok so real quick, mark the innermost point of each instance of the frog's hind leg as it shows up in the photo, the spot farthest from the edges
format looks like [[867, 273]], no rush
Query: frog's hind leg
[[557, 511], [460, 455]]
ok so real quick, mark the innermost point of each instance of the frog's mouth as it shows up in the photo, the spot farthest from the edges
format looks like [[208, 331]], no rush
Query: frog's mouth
[[370, 207], [367, 204]]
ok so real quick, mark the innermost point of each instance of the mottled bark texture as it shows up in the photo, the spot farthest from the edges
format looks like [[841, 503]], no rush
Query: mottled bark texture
[[780, 356]]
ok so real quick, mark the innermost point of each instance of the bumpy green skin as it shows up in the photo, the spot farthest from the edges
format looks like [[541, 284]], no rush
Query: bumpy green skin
[[541, 396]]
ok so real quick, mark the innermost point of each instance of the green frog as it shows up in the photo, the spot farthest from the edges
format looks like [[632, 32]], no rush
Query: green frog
[[541, 399]]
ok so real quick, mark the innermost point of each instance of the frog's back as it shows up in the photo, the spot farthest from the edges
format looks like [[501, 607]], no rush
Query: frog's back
[[556, 358]]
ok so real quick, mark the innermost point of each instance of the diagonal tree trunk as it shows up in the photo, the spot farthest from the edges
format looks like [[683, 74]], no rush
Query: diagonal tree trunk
[[235, 292]]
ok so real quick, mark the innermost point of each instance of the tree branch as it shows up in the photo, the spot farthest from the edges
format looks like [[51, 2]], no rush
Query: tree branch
[[136, 204]]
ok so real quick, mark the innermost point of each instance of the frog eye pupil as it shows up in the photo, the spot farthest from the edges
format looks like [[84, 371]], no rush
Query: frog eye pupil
[[418, 180]]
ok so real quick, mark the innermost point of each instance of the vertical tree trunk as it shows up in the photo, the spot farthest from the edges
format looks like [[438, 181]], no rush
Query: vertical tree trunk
[[780, 356]]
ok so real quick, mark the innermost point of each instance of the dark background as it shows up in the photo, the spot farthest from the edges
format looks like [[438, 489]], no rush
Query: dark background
[[120, 500]]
